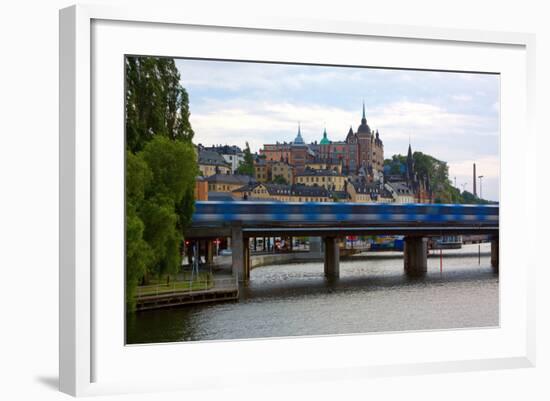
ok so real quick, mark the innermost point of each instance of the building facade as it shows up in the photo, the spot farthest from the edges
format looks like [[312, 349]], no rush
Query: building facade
[[211, 163], [226, 182], [282, 193], [233, 155], [328, 179], [361, 149]]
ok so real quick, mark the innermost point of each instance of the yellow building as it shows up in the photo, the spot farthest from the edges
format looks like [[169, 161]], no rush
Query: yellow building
[[211, 163], [368, 192], [329, 179], [283, 193], [266, 171], [281, 169], [320, 164], [226, 182]]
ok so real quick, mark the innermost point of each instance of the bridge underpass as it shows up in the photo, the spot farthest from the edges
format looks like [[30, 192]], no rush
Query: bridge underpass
[[242, 221]]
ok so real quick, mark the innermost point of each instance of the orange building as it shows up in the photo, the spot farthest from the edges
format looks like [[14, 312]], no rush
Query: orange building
[[201, 189]]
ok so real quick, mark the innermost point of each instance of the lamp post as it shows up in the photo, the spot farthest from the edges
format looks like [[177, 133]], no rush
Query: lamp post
[[480, 187]]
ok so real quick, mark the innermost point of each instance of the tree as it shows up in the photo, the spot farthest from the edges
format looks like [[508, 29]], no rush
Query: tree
[[138, 252], [279, 179], [173, 167], [161, 168], [156, 103], [247, 166], [437, 172]]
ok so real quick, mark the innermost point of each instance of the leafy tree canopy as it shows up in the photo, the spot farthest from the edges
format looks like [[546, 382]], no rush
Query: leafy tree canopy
[[438, 173], [156, 103], [247, 166], [161, 167], [279, 179]]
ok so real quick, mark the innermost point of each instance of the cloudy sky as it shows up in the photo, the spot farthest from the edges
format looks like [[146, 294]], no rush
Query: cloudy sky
[[451, 116]]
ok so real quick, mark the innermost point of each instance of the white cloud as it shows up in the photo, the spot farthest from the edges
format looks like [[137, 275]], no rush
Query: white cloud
[[461, 98], [267, 122]]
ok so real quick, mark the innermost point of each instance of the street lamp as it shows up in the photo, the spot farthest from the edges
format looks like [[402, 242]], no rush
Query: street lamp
[[480, 187]]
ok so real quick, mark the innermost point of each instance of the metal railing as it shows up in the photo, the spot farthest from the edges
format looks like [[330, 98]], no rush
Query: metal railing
[[186, 286]]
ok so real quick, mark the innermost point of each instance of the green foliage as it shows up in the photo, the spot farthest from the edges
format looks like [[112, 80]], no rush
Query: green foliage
[[247, 166], [138, 252], [279, 179], [173, 166], [469, 198], [161, 168], [438, 173], [156, 103]]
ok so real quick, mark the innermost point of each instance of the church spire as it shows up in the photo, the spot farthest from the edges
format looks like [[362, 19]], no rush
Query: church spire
[[364, 128], [299, 140], [325, 140]]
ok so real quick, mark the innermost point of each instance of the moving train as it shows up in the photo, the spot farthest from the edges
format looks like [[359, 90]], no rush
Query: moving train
[[283, 213]]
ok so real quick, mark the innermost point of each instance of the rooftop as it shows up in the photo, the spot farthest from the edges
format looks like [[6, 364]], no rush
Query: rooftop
[[211, 158], [319, 173], [229, 179]]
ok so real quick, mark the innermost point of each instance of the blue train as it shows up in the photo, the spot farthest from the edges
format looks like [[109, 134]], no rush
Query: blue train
[[312, 213]]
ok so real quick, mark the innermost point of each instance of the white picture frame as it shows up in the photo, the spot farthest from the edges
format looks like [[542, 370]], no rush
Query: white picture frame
[[84, 352]]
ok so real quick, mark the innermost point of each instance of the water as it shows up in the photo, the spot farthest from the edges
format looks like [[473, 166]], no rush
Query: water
[[372, 295]]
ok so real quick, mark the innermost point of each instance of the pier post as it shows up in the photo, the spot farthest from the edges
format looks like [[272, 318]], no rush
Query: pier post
[[332, 258], [246, 259], [209, 252], [494, 254], [415, 255], [237, 252]]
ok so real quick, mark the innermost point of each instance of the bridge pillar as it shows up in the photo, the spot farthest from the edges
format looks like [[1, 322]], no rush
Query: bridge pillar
[[237, 252], [494, 254], [332, 258], [416, 255], [315, 246]]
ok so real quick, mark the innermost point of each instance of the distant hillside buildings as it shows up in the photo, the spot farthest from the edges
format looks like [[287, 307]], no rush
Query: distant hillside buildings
[[326, 171], [361, 150]]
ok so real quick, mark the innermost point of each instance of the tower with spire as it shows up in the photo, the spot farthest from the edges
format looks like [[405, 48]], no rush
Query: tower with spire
[[299, 151], [410, 165], [325, 140], [299, 140]]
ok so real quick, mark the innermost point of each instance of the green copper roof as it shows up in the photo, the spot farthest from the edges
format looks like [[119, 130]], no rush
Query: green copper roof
[[325, 140]]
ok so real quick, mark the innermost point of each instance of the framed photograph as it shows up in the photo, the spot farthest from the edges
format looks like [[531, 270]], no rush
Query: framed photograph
[[289, 198]]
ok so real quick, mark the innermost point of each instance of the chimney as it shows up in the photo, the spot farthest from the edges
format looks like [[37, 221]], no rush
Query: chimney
[[475, 191]]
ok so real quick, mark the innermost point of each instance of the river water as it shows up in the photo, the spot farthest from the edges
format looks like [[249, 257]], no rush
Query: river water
[[372, 295]]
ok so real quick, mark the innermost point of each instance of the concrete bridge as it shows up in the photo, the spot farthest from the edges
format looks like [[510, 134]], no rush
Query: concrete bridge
[[241, 221]]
